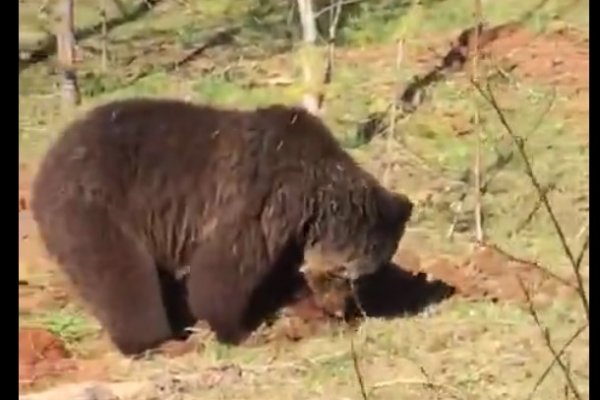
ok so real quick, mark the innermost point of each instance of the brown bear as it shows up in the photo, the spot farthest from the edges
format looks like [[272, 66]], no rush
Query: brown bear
[[164, 212]]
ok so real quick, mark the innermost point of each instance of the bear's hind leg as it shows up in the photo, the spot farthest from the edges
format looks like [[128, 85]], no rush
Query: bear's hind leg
[[112, 272]]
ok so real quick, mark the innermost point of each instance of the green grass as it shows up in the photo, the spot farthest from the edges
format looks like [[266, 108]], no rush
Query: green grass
[[71, 323], [462, 350]]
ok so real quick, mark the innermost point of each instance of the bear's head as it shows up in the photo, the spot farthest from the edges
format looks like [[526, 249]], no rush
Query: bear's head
[[358, 233]]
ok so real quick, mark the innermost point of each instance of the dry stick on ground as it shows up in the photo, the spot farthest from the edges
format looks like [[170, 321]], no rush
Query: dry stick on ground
[[575, 261], [548, 341]]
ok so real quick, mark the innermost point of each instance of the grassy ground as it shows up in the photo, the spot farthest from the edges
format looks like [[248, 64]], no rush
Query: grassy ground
[[461, 349]]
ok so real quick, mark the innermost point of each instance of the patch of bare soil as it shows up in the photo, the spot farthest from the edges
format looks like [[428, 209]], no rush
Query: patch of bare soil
[[559, 58], [491, 274], [45, 361], [41, 355]]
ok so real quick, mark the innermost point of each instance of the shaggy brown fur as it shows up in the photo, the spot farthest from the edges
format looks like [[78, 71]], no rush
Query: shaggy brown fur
[[164, 212]]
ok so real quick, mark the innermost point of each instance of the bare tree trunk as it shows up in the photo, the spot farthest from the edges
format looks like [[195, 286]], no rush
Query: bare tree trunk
[[65, 39], [309, 55], [335, 11], [479, 233]]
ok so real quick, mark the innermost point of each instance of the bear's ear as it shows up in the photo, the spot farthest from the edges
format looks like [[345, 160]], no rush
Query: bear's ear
[[396, 208]]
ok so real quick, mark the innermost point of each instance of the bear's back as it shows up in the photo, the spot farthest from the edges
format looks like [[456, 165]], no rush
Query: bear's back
[[133, 155]]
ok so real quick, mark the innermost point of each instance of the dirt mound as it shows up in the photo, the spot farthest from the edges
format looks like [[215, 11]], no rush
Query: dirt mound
[[559, 58], [44, 361], [41, 354], [490, 274]]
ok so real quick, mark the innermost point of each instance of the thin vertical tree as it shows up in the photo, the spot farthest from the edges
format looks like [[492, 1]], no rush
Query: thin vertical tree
[[309, 55], [475, 65], [65, 38]]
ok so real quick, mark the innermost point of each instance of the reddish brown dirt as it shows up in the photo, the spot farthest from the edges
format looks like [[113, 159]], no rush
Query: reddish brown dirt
[[303, 319], [41, 354], [490, 274], [559, 59], [45, 361]]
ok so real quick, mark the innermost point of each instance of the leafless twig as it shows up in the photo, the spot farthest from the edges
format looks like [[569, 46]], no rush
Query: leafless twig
[[357, 371], [548, 341], [575, 261], [542, 377], [547, 189], [533, 264]]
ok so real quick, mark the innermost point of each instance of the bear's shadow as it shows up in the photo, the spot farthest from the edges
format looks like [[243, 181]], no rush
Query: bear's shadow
[[394, 292]]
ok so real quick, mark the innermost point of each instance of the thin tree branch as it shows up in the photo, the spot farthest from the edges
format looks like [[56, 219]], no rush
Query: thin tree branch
[[542, 377], [488, 95], [357, 371]]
